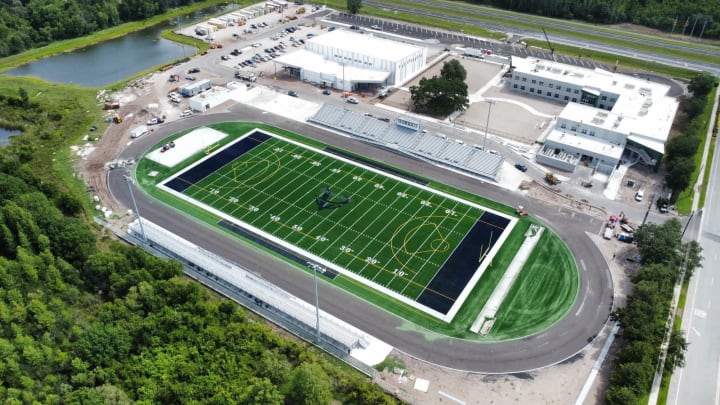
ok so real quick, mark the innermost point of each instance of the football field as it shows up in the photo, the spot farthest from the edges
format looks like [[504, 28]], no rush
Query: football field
[[386, 230]]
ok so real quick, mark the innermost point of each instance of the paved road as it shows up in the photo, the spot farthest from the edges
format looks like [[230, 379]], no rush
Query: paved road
[[561, 342], [699, 381], [559, 39]]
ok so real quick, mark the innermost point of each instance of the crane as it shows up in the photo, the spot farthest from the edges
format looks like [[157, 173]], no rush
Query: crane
[[552, 50]]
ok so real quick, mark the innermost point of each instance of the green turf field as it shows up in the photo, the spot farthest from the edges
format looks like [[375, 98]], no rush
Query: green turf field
[[379, 229], [538, 299]]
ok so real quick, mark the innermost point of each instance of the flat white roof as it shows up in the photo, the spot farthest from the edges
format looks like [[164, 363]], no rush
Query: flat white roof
[[583, 142], [317, 63], [642, 110], [186, 146], [366, 44]]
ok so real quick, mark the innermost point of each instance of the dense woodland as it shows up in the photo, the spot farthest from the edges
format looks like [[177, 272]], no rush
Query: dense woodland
[[687, 16], [86, 320], [26, 24]]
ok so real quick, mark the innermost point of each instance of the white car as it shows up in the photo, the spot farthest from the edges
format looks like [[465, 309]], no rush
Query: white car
[[152, 121], [352, 100], [186, 113]]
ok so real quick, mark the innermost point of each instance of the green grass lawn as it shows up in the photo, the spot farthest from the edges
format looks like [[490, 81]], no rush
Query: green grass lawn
[[376, 257]]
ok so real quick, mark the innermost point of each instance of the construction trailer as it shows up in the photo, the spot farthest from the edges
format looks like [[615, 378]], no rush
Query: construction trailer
[[195, 88], [218, 23]]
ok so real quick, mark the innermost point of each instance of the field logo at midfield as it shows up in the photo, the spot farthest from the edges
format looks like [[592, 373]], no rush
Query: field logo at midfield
[[252, 172], [418, 239], [329, 200]]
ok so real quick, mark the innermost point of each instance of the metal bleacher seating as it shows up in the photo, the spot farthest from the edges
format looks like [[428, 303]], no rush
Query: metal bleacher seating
[[424, 145]]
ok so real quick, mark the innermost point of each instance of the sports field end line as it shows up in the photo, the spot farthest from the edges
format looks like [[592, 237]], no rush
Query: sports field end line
[[483, 266]]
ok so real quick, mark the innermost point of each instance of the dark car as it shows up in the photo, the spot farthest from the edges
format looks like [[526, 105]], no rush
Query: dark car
[[521, 167], [326, 92], [292, 93], [194, 70], [354, 27]]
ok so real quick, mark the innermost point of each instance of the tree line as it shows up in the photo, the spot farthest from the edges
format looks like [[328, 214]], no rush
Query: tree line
[[643, 320], [696, 18], [88, 320], [31, 24]]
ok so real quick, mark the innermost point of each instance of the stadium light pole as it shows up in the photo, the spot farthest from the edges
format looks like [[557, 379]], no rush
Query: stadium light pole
[[487, 123], [130, 182], [317, 306]]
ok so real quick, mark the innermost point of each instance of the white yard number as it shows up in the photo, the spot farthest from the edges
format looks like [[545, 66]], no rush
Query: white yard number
[[233, 200], [315, 163], [371, 260], [398, 273], [451, 213], [345, 249], [275, 218], [278, 150], [357, 178], [401, 194], [296, 156], [334, 170], [297, 228], [253, 208], [214, 191], [379, 186], [321, 238], [425, 203]]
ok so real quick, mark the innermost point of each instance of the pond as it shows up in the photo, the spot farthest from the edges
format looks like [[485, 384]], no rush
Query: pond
[[114, 60]]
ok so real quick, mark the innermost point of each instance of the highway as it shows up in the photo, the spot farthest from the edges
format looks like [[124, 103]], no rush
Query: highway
[[564, 340], [699, 381], [671, 60]]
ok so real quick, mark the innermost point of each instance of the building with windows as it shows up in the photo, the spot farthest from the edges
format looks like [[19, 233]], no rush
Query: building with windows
[[349, 61], [608, 116]]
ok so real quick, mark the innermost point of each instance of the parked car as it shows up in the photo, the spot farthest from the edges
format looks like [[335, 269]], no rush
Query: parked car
[[186, 113], [354, 27], [152, 121], [225, 57], [326, 92], [194, 70], [292, 93], [521, 167], [352, 100], [639, 195], [191, 78], [376, 27], [331, 29]]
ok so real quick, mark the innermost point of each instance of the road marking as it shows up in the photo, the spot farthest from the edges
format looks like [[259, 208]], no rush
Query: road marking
[[582, 304], [452, 398], [582, 263], [696, 331], [700, 313], [717, 385], [709, 302]]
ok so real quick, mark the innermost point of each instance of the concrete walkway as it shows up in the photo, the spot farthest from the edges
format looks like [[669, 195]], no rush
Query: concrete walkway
[[487, 316]]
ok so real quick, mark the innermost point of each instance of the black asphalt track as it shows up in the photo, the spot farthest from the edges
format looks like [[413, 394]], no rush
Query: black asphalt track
[[565, 339]]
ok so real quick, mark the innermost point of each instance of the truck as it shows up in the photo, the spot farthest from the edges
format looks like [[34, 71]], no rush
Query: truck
[[623, 237], [137, 132], [474, 53], [195, 88], [246, 76], [552, 178]]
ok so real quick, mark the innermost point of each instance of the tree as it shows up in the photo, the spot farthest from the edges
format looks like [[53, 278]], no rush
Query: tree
[[621, 396], [701, 85], [676, 350], [310, 385], [679, 172], [354, 6], [659, 243], [439, 97], [682, 146], [453, 70], [261, 391]]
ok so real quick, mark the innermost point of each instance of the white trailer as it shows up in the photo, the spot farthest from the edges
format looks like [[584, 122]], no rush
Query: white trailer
[[137, 132]]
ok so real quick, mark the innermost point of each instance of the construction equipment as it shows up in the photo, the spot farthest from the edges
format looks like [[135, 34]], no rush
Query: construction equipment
[[117, 118], [521, 211], [552, 50], [552, 179]]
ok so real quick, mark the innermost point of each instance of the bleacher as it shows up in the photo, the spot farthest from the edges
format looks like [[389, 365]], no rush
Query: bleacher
[[427, 146]]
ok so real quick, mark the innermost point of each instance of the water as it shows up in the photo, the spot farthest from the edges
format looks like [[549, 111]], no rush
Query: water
[[5, 135], [114, 60]]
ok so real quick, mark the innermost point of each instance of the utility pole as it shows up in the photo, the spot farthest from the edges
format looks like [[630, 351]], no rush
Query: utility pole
[[487, 123], [130, 182]]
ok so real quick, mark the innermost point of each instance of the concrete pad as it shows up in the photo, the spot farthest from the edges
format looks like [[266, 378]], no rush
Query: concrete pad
[[186, 146], [422, 385]]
